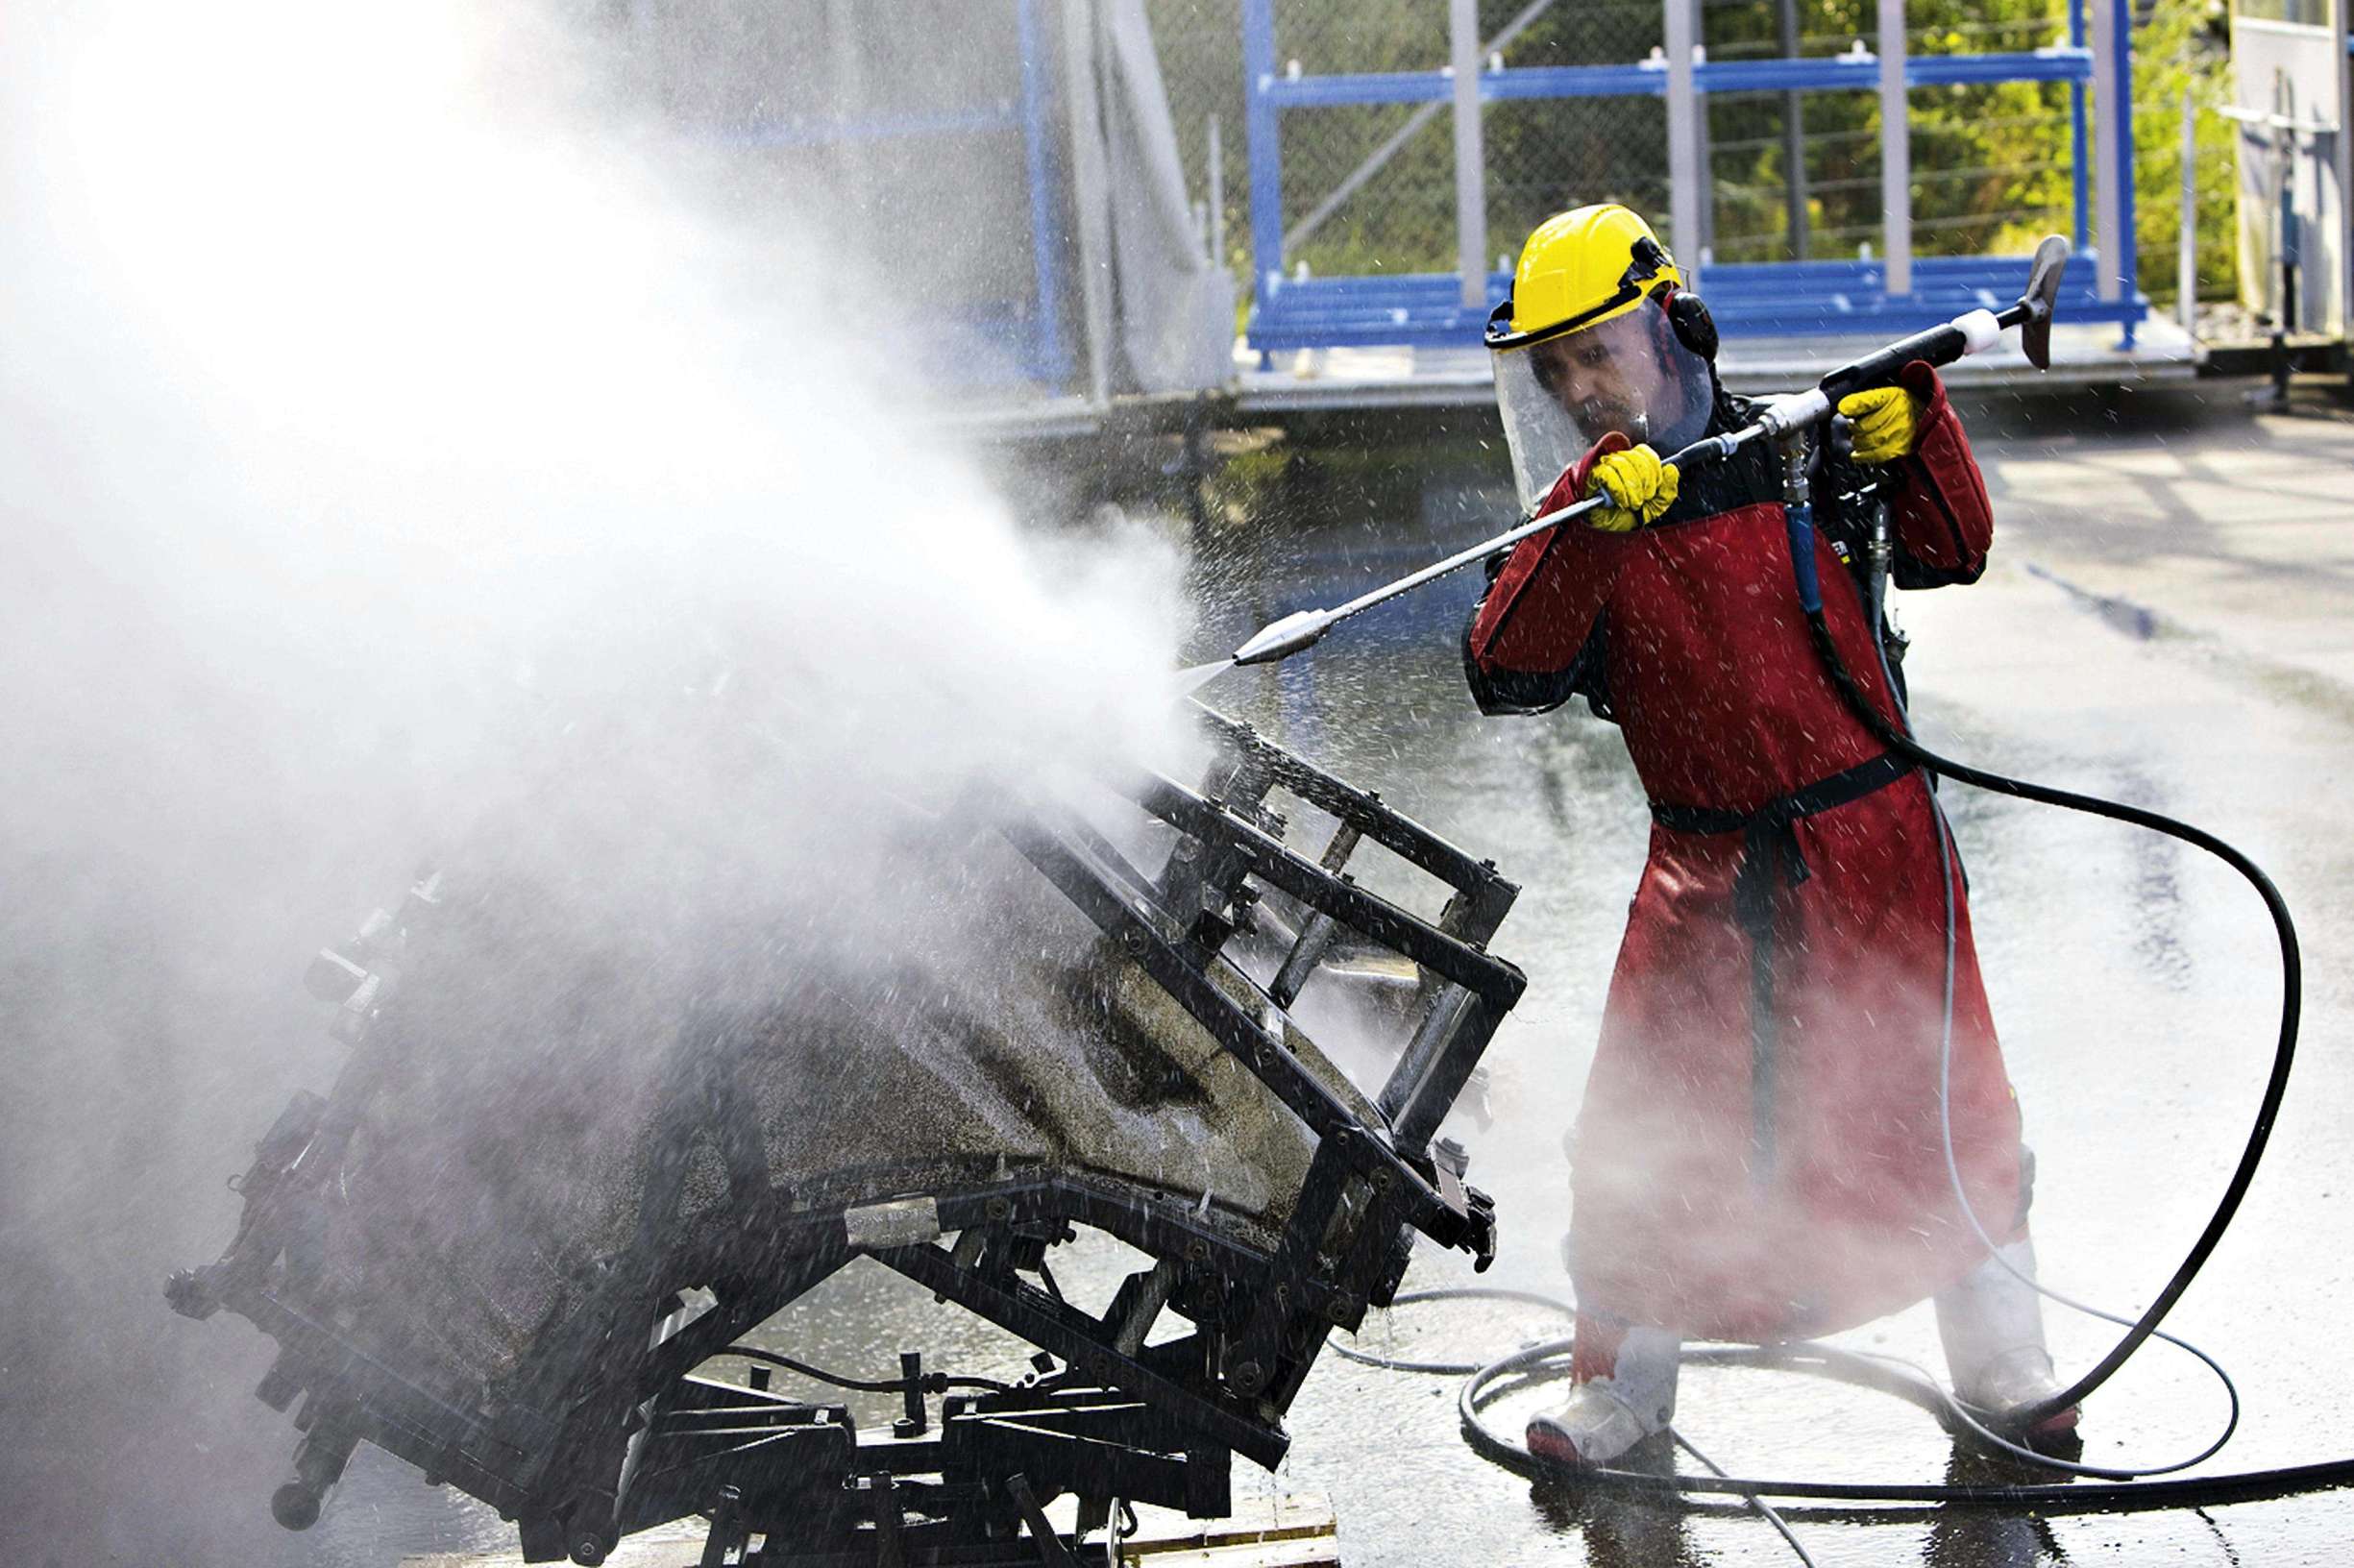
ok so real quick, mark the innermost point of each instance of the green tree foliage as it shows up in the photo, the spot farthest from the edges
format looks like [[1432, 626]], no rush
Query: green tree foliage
[[2183, 47], [1984, 157]]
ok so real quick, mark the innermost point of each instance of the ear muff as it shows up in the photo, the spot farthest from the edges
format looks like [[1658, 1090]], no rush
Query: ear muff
[[1695, 327]]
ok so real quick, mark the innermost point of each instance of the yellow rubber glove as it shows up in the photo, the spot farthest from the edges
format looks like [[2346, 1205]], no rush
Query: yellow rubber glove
[[1639, 485], [1887, 423]]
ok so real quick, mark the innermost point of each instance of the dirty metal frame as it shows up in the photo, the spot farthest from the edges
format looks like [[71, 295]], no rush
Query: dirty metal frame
[[611, 1431]]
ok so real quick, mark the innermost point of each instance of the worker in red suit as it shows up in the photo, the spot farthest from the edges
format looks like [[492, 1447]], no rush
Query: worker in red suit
[[1759, 1156]]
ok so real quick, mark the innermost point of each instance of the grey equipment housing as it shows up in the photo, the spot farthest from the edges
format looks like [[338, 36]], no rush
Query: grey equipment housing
[[1149, 1077]]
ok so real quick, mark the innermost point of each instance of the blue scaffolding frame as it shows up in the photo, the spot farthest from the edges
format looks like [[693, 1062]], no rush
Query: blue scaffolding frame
[[1751, 299]]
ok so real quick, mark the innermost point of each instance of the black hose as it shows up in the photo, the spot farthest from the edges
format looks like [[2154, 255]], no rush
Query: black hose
[[1549, 1361], [1457, 1293], [1949, 864], [929, 1382], [1765, 1511], [1542, 1363], [2284, 1053]]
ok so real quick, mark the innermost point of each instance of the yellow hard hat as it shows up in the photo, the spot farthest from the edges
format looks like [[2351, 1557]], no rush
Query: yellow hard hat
[[1579, 269]]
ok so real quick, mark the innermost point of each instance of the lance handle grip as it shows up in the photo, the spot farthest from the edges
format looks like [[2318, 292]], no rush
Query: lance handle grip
[[1968, 333], [1938, 345]]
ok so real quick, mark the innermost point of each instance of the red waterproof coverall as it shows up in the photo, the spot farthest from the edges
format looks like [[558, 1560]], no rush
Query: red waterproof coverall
[[1758, 1156]]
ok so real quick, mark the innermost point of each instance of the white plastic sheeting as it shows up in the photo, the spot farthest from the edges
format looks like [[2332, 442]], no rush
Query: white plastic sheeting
[[1175, 305]]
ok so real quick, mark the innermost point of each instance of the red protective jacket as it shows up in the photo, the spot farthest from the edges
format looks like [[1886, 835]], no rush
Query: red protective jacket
[[1758, 1156]]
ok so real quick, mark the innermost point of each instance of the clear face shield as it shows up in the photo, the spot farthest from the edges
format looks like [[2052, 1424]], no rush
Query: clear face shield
[[1560, 395]]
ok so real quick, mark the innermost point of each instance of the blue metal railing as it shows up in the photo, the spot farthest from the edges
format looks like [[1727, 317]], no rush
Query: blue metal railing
[[1758, 299], [1049, 357], [1817, 74]]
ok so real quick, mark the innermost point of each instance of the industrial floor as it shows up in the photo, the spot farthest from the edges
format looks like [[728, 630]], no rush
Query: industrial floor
[[2170, 619]]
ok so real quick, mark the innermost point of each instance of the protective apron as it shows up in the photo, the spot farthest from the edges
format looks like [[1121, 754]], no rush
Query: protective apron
[[1758, 1156]]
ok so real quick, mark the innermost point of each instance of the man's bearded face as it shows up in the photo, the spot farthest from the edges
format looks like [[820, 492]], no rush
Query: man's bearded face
[[1609, 378]]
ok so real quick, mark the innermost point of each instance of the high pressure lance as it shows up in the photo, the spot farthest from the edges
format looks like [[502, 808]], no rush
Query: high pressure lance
[[1971, 332]]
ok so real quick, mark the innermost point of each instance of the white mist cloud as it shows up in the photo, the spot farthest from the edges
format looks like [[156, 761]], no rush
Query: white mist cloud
[[380, 397], [366, 370]]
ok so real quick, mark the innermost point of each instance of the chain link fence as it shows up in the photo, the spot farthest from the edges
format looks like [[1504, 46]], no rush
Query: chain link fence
[[895, 138], [1546, 155], [1200, 44], [1796, 175], [1366, 188], [1370, 188]]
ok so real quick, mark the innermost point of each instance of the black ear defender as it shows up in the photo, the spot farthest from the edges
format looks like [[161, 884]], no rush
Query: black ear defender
[[1695, 327], [1648, 259]]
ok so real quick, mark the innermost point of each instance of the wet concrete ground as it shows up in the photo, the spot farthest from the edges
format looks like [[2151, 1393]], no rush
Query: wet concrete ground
[[2169, 620]]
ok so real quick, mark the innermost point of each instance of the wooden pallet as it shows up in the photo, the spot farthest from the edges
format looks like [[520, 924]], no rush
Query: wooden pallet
[[1294, 1530]]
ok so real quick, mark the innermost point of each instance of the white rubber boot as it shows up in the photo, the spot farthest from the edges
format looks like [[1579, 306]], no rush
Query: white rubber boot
[[1992, 1323], [1605, 1417]]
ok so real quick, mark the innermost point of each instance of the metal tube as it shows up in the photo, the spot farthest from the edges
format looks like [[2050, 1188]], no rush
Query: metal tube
[[844, 50], [1215, 157], [1091, 192], [1438, 1026], [2185, 259], [2119, 142], [1467, 1037], [1465, 558], [1970, 332], [1315, 940], [1794, 140], [1153, 1296], [1316, 937], [2108, 205], [2342, 50], [1050, 357], [1684, 172], [1261, 137], [1470, 165], [2079, 163], [1895, 151]]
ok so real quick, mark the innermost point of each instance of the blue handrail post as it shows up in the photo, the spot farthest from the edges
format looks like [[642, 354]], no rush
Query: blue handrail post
[[2121, 40], [2079, 136], [1049, 360], [1259, 131]]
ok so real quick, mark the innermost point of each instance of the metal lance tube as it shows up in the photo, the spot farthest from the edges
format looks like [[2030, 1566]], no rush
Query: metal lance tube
[[1304, 629], [1968, 333]]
